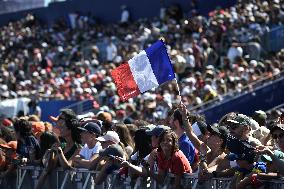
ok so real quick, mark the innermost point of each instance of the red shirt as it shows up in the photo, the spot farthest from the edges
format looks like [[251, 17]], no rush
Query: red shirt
[[177, 165]]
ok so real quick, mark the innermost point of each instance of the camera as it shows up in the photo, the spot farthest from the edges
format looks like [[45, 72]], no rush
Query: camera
[[242, 149]]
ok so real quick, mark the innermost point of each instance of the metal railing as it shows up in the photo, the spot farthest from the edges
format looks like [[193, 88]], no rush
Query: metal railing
[[81, 107], [228, 96], [28, 176]]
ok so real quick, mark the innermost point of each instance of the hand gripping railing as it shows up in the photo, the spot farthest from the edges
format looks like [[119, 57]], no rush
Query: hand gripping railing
[[27, 178]]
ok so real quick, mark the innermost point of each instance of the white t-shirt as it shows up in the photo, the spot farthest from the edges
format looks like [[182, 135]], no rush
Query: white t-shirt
[[88, 153], [124, 16], [111, 52], [233, 52]]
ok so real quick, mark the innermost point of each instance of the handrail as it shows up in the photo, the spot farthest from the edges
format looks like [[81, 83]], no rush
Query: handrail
[[241, 94], [82, 177], [259, 81], [276, 107]]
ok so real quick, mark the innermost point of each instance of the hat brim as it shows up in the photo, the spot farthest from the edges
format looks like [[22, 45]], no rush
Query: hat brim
[[101, 139], [150, 133], [266, 158], [54, 119], [82, 129], [233, 121], [5, 146]]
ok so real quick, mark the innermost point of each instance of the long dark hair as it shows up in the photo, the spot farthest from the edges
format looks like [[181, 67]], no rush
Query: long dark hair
[[47, 139], [23, 127], [124, 134], [142, 143], [73, 124]]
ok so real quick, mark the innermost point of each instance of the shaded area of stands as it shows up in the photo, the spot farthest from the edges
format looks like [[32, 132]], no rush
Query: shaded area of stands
[[109, 10]]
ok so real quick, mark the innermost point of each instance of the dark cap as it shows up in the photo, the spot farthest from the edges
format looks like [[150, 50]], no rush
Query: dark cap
[[277, 126], [91, 127], [240, 119], [221, 131], [114, 149], [277, 153], [158, 130]]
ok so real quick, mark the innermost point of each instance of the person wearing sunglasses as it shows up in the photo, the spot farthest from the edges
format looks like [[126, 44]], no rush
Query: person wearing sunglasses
[[277, 133], [240, 126]]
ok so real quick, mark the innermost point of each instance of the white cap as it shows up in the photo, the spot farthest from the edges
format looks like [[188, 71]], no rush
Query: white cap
[[253, 63], [109, 136]]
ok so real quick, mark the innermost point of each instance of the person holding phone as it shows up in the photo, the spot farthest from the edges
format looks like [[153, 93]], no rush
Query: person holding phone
[[109, 155]]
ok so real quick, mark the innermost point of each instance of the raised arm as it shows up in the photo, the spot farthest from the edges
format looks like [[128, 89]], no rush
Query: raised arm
[[201, 146]]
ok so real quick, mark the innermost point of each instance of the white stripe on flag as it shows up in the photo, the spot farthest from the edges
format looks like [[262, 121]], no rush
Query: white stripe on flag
[[142, 72]]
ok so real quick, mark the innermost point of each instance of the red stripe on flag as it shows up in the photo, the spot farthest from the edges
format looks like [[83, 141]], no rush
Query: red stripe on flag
[[124, 81]]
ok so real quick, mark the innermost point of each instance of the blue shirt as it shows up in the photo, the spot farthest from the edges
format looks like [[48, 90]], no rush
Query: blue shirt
[[187, 148]]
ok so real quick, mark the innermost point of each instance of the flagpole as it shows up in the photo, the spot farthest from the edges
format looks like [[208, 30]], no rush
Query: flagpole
[[180, 99]]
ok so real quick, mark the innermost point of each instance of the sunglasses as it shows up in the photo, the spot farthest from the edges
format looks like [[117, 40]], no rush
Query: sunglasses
[[280, 136]]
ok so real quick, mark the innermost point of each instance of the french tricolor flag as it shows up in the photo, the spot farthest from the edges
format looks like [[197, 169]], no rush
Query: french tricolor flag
[[149, 69]]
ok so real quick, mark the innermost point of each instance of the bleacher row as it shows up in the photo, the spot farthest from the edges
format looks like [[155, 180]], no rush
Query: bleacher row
[[27, 177]]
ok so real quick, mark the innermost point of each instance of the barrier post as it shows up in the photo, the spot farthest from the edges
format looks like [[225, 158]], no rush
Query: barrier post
[[78, 180], [35, 175]]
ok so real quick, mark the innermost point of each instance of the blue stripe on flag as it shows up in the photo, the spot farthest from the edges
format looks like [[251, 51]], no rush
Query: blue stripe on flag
[[160, 62]]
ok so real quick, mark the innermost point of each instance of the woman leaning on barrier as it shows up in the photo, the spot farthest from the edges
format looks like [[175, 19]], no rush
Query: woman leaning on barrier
[[216, 159], [61, 153], [28, 146], [70, 146], [273, 158], [48, 160], [170, 159]]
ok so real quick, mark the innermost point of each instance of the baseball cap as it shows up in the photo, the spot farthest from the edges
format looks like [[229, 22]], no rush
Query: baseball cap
[[262, 113], [277, 153], [109, 136], [277, 126], [158, 130], [10, 145], [91, 127], [114, 149], [6, 122], [240, 119], [68, 114], [221, 131]]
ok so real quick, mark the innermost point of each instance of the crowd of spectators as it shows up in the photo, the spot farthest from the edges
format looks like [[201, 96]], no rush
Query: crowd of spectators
[[153, 134], [249, 150], [211, 56]]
